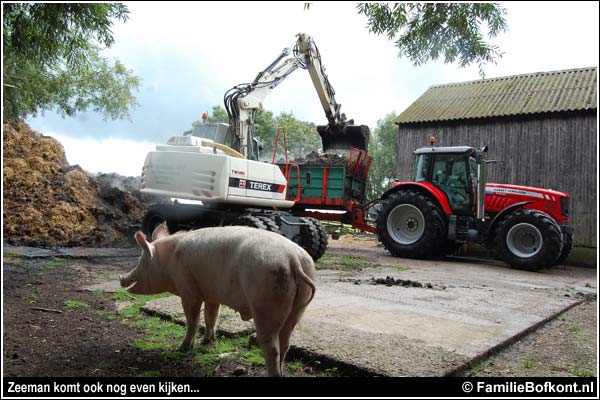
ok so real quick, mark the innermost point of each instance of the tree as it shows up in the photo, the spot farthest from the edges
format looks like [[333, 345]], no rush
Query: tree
[[383, 149], [52, 60], [428, 31], [302, 137]]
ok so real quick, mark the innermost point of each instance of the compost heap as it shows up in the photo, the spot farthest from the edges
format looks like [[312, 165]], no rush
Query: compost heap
[[48, 202]]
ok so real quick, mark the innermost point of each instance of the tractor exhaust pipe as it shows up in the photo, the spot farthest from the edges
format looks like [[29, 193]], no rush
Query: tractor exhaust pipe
[[481, 180]]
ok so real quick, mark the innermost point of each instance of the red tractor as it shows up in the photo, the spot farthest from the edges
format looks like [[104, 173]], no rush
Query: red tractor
[[450, 203]]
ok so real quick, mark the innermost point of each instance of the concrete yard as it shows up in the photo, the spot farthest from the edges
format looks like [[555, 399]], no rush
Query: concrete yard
[[473, 307]]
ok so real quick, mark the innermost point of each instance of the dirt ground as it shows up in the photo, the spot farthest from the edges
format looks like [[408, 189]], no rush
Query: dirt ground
[[53, 328], [566, 346]]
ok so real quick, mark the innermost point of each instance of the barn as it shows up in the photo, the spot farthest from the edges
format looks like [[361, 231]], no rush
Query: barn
[[542, 127]]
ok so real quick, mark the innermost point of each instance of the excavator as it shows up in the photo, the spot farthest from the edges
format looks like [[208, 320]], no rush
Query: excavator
[[218, 165]]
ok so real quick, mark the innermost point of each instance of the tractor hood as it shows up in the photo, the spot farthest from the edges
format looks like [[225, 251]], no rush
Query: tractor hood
[[523, 191]]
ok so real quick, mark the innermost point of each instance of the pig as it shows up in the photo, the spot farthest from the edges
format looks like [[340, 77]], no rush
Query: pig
[[260, 274]]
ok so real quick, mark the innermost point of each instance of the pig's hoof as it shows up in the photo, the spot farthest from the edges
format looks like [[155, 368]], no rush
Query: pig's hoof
[[208, 339], [185, 348]]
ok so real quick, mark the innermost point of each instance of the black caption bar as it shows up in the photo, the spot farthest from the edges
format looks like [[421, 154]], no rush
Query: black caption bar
[[296, 387]]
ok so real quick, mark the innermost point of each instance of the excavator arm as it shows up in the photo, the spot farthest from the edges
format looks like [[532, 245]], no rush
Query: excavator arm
[[242, 101]]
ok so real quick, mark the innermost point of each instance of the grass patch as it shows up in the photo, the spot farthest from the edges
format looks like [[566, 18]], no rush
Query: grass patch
[[74, 304], [149, 374], [52, 264], [122, 295], [400, 268], [588, 285], [254, 356], [34, 296], [8, 254], [106, 314], [582, 373], [480, 366], [294, 366], [527, 362], [575, 328]]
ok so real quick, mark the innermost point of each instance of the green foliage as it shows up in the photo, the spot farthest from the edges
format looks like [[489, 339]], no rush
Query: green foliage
[[302, 137], [51, 60], [428, 31], [383, 149]]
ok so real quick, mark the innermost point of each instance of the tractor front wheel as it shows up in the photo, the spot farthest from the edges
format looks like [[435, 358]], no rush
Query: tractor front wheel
[[411, 225], [567, 238], [529, 240]]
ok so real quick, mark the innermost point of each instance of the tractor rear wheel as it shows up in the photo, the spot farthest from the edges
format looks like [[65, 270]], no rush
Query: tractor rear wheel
[[313, 237], [528, 239], [411, 225], [567, 238]]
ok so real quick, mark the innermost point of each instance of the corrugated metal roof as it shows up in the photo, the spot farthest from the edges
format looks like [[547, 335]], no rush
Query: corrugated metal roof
[[540, 92]]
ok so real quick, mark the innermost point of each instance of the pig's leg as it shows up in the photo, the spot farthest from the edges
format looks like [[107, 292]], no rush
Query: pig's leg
[[192, 317], [302, 296], [267, 336], [211, 312]]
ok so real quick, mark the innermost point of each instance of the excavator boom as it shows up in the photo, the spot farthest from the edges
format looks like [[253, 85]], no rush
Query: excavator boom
[[241, 102]]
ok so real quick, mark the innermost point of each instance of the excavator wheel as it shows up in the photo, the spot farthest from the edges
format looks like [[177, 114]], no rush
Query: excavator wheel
[[270, 224], [252, 221], [156, 215], [313, 237]]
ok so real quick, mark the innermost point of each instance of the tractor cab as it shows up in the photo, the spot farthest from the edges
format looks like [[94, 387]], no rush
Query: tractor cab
[[455, 171]]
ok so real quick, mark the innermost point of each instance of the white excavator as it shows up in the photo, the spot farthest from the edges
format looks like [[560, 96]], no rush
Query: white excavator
[[217, 164]]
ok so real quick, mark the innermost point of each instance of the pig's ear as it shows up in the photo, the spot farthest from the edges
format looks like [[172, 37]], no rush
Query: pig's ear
[[140, 238], [160, 231]]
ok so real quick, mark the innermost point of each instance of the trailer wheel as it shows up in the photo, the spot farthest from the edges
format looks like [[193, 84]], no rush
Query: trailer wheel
[[313, 237], [567, 238], [411, 225], [156, 215], [528, 239]]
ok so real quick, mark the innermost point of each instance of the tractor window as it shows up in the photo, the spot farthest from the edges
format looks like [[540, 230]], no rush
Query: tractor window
[[422, 167], [450, 175]]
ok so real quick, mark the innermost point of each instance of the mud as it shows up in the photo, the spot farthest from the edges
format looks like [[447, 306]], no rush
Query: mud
[[390, 281], [315, 158]]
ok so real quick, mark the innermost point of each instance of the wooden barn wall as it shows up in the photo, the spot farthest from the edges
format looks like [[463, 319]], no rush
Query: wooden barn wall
[[556, 152]]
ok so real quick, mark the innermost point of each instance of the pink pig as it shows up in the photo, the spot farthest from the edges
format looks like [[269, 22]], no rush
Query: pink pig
[[260, 274]]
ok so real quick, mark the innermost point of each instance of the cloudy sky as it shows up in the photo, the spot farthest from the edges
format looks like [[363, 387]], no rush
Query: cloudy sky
[[189, 54]]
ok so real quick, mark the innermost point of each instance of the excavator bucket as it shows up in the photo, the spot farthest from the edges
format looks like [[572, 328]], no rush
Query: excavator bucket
[[344, 137]]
